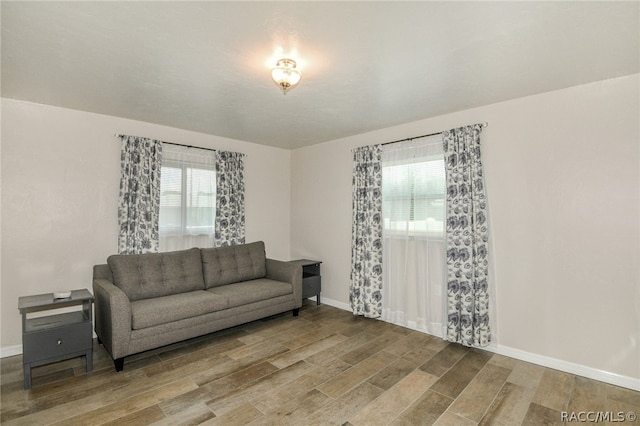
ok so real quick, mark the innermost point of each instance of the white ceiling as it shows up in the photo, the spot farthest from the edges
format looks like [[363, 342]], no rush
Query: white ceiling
[[204, 66]]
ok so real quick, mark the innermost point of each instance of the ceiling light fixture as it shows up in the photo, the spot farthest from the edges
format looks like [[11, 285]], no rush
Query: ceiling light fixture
[[285, 75]]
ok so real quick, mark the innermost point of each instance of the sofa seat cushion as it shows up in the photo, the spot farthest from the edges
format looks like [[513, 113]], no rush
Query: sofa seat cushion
[[161, 310], [232, 264], [145, 276], [246, 292]]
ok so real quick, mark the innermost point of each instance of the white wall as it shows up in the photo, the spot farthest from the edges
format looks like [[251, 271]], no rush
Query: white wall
[[60, 179], [562, 175]]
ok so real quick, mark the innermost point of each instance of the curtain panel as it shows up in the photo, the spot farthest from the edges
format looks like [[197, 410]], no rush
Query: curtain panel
[[230, 221], [139, 197], [365, 292], [414, 252], [467, 239]]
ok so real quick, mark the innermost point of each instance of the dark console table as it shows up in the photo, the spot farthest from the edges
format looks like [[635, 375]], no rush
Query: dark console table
[[56, 337], [311, 279]]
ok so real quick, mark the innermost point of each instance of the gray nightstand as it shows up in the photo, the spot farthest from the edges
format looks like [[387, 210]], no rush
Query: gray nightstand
[[56, 337], [311, 279]]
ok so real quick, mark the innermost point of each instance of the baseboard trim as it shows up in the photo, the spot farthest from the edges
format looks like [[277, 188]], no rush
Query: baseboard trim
[[545, 361], [335, 303], [8, 351], [567, 367]]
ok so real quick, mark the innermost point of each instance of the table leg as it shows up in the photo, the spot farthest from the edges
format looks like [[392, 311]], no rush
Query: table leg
[[27, 376], [89, 360]]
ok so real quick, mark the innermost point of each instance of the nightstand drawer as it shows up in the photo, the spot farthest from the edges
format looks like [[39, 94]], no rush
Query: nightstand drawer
[[310, 286], [56, 342]]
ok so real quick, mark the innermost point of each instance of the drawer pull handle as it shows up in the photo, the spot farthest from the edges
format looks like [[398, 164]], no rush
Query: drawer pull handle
[[59, 342]]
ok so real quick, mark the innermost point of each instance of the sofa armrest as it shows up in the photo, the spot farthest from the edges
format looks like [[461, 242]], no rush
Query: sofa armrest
[[289, 273], [112, 317]]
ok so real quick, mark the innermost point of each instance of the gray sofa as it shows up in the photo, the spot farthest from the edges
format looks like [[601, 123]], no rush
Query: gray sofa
[[145, 301]]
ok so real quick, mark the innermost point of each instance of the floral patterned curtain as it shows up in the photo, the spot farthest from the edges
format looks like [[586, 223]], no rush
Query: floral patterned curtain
[[139, 206], [229, 224], [365, 292], [467, 239]]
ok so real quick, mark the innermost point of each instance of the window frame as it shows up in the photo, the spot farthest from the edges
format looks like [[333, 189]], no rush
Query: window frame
[[184, 166]]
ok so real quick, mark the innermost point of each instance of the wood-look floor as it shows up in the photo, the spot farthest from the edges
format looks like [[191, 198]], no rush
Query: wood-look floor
[[324, 367]]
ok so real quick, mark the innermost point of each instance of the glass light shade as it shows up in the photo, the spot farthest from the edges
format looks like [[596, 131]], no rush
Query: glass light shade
[[285, 75]]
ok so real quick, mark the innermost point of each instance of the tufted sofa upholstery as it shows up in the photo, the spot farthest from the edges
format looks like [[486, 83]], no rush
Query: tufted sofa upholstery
[[144, 301]]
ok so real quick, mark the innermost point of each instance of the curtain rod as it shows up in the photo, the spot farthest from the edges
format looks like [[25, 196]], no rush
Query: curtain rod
[[118, 135], [485, 124]]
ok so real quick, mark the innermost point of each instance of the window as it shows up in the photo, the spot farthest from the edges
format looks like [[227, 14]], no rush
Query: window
[[187, 199], [413, 196]]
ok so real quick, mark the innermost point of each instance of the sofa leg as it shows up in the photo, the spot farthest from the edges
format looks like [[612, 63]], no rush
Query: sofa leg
[[99, 341], [296, 312], [119, 364]]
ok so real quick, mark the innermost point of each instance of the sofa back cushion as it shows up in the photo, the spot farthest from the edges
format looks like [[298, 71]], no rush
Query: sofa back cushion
[[143, 276], [232, 264]]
